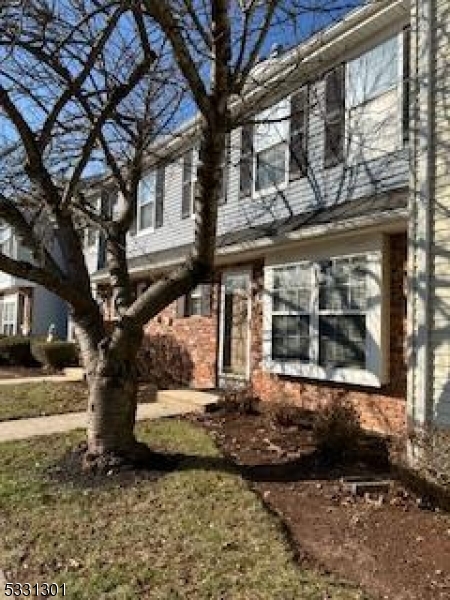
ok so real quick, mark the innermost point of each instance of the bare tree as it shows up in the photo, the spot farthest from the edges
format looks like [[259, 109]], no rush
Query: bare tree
[[85, 84]]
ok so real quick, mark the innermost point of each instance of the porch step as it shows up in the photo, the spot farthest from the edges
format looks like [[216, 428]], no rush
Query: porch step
[[200, 401]]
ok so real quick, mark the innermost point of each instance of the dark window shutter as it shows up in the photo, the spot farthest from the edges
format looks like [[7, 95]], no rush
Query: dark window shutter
[[181, 307], [133, 226], [159, 196], [225, 167], [406, 82], [298, 162], [186, 200], [334, 116], [206, 300], [246, 169]]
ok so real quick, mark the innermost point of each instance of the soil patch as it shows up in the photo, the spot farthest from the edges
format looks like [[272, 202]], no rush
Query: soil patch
[[395, 544]]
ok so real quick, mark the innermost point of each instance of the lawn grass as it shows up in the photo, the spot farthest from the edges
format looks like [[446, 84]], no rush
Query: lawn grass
[[195, 533], [18, 401]]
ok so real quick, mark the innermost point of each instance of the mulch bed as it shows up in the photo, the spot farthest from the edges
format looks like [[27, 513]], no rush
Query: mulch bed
[[395, 545]]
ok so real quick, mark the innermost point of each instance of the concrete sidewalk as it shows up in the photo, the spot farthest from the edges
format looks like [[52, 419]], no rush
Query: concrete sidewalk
[[70, 375], [169, 404]]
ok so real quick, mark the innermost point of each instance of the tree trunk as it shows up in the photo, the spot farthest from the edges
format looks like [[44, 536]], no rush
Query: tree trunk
[[112, 380], [112, 410]]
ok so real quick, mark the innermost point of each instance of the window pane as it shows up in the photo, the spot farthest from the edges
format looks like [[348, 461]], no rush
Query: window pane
[[342, 341], [271, 167], [272, 126], [373, 73], [146, 216], [290, 337], [342, 284]]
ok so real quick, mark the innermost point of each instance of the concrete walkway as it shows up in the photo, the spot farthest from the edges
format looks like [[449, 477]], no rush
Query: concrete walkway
[[70, 375], [170, 403]]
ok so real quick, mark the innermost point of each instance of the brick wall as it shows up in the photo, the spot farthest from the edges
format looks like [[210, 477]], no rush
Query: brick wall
[[181, 351], [184, 351], [382, 409]]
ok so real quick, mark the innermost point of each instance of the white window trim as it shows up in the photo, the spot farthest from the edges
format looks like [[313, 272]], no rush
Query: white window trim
[[92, 247], [194, 179], [11, 301], [272, 189], [398, 88], [145, 230], [377, 318]]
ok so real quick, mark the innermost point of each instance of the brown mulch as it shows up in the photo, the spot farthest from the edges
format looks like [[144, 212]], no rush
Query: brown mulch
[[395, 545]]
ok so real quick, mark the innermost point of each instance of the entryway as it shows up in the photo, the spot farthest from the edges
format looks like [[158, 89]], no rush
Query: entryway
[[234, 351]]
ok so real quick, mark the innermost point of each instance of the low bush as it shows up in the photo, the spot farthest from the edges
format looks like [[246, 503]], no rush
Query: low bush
[[242, 401], [55, 355], [289, 415], [15, 350], [337, 430]]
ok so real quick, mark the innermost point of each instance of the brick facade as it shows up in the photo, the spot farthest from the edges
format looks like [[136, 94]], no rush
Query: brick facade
[[381, 409], [184, 351]]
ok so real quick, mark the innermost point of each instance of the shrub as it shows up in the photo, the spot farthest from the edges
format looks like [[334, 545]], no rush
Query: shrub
[[242, 401], [55, 355], [433, 455], [289, 415], [337, 430], [15, 350]]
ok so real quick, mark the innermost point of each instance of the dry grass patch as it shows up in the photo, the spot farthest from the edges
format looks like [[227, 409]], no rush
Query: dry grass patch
[[197, 532]]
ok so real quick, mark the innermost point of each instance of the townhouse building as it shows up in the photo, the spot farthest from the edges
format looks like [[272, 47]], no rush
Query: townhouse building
[[332, 273], [25, 307]]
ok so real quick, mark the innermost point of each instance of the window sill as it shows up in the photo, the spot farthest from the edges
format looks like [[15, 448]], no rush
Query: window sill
[[353, 376], [275, 189], [142, 232]]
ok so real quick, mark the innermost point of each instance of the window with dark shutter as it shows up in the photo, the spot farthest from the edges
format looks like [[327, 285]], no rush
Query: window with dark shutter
[[159, 196], [406, 82], [186, 199], [298, 161], [246, 167], [181, 307], [334, 116], [225, 167], [206, 300]]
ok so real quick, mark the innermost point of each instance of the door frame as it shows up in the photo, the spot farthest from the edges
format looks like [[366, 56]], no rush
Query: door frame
[[230, 272]]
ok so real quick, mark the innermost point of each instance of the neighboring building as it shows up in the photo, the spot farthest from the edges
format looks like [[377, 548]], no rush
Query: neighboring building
[[25, 307], [310, 294]]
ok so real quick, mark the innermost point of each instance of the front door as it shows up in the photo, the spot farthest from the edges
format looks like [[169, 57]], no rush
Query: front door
[[235, 325]]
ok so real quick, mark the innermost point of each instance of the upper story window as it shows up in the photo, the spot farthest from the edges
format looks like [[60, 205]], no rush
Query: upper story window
[[6, 239], [374, 91], [146, 202], [150, 201], [271, 148], [90, 230]]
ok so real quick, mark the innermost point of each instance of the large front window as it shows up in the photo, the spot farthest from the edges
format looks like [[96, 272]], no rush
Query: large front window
[[323, 318]]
